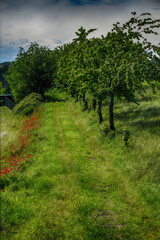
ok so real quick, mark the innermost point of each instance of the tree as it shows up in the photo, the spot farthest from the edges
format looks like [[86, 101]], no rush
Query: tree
[[80, 73], [72, 67], [124, 61], [2, 90], [3, 69], [118, 64], [32, 71]]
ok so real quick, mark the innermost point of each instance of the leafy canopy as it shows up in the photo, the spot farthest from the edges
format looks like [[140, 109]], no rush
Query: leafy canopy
[[31, 71]]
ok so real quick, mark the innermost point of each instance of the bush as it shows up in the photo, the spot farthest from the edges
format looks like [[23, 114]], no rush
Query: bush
[[106, 131], [28, 110], [28, 104], [53, 95], [126, 135]]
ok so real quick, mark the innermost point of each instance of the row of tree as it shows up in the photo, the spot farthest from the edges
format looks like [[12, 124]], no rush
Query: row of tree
[[115, 65]]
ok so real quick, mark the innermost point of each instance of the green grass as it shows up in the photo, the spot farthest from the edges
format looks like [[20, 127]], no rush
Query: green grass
[[81, 184], [9, 126]]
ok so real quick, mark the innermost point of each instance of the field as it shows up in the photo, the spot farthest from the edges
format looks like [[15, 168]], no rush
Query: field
[[81, 182]]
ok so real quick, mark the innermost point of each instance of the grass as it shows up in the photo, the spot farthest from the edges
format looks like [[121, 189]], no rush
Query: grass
[[140, 161], [9, 126], [81, 184]]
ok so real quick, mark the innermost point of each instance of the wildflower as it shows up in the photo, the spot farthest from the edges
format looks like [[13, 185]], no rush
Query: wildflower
[[17, 149]]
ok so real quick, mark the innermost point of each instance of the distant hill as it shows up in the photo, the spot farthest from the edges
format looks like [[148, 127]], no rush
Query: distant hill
[[3, 69]]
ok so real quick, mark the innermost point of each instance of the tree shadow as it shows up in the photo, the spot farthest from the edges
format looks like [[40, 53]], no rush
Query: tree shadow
[[54, 99], [149, 112], [142, 118], [144, 99], [152, 125]]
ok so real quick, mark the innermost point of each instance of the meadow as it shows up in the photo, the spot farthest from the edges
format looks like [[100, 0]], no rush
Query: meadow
[[80, 181]]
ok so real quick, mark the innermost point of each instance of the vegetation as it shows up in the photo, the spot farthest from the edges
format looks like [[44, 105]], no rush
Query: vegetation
[[85, 185], [3, 69], [115, 65], [28, 104], [2, 90], [9, 126], [31, 71], [15, 157], [64, 175]]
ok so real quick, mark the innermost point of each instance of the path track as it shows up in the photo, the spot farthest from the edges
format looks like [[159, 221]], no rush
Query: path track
[[86, 196], [91, 175]]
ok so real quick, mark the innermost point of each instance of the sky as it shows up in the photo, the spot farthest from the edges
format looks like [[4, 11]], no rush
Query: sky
[[52, 23]]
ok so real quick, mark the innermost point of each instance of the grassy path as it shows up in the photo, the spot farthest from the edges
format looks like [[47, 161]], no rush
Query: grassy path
[[72, 190]]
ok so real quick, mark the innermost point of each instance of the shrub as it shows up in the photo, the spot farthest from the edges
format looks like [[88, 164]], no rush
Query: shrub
[[28, 110], [126, 135], [27, 105], [106, 131], [53, 95]]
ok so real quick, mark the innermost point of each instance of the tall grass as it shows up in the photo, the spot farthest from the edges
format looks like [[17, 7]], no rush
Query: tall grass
[[9, 126]]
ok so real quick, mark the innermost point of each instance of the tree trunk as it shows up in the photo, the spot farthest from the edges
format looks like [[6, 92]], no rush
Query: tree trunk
[[84, 97], [85, 102], [111, 119], [94, 104], [100, 110], [72, 94], [76, 96]]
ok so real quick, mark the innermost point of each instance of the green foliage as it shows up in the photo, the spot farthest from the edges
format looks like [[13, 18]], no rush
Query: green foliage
[[53, 95], [118, 64], [28, 104], [106, 132], [28, 110], [2, 90], [3, 69], [32, 71]]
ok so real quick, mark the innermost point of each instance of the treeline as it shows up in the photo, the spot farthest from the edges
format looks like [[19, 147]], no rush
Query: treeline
[[3, 84], [118, 64]]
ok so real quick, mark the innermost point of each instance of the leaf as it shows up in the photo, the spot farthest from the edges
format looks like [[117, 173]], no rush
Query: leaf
[[133, 13]]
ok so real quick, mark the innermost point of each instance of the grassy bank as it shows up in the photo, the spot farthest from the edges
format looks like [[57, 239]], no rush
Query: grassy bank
[[80, 183], [9, 126]]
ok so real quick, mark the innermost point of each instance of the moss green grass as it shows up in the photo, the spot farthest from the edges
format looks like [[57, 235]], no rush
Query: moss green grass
[[9, 126], [82, 185]]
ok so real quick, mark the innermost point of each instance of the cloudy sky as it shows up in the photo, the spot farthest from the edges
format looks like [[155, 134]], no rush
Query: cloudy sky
[[54, 22]]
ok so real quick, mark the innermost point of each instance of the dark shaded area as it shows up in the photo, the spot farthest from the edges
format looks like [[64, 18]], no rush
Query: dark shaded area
[[145, 99], [149, 124], [7, 100], [54, 98], [3, 69], [131, 117], [87, 2], [139, 100], [149, 112]]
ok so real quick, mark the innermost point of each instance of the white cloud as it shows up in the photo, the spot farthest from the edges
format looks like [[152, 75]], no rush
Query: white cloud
[[47, 24], [24, 42]]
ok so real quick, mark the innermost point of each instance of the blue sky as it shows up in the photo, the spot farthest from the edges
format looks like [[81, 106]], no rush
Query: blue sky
[[54, 22]]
